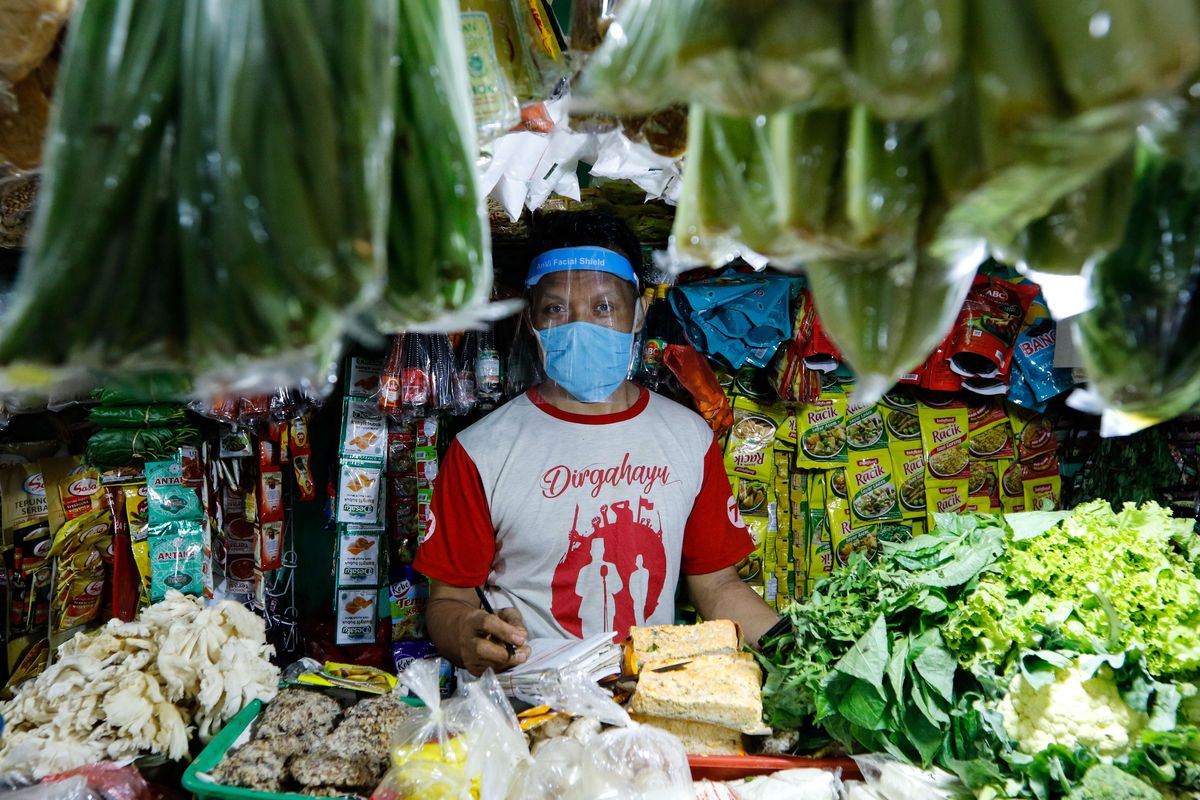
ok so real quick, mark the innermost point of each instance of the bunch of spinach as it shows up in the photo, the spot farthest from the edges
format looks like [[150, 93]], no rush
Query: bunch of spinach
[[866, 661]]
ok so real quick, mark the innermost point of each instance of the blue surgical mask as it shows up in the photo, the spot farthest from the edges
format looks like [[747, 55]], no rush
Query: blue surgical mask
[[589, 361]]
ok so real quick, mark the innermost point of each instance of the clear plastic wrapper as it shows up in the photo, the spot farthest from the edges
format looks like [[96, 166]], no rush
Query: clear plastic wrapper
[[466, 748], [740, 58], [74, 788], [886, 315], [281, 189], [891, 779], [439, 244], [1141, 341]]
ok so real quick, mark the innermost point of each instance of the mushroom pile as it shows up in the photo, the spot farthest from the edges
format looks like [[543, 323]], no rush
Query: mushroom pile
[[139, 687]]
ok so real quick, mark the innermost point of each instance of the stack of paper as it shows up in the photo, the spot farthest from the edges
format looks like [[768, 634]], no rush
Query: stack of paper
[[597, 657]]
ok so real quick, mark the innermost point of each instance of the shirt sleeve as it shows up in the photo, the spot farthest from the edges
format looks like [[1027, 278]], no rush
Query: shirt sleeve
[[715, 536], [459, 542]]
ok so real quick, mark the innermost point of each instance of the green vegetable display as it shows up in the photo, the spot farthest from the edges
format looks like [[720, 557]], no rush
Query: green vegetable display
[[219, 197], [151, 416], [120, 447], [1018, 653]]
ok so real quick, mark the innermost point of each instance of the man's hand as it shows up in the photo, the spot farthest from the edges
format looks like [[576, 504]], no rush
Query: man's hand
[[723, 595], [471, 637]]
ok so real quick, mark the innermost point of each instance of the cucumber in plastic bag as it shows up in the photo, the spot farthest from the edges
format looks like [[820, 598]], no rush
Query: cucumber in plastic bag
[[887, 314], [1141, 341]]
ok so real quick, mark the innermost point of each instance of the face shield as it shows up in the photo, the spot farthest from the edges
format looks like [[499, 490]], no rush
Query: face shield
[[584, 311]]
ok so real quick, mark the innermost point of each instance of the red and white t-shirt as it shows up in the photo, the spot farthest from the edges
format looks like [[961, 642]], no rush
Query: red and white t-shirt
[[583, 523]]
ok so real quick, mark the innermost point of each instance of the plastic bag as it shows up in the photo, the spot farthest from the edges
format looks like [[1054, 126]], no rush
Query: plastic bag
[[629, 761], [137, 416], [894, 780], [120, 447], [738, 57], [1141, 341], [466, 748], [110, 781], [73, 788], [886, 315]]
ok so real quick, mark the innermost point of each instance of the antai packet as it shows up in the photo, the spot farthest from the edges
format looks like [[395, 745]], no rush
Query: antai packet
[[176, 556]]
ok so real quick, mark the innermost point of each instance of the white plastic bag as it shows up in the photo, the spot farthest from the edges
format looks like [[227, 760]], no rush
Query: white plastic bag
[[894, 780]]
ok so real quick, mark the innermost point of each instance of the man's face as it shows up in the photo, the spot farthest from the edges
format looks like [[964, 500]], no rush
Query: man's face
[[583, 296]]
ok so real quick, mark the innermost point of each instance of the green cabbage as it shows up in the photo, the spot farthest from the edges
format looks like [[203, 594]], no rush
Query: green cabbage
[[1133, 559]]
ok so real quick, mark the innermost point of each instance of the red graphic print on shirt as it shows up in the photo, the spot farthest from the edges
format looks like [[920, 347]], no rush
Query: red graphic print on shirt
[[612, 578]]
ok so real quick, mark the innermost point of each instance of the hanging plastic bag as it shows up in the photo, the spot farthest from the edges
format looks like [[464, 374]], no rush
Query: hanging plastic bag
[[886, 315], [1141, 341], [497, 747], [739, 57]]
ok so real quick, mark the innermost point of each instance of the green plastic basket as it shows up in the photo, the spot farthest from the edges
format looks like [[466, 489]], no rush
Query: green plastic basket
[[219, 746]]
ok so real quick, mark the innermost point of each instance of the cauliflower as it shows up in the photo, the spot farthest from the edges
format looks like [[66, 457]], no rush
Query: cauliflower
[[1074, 711]]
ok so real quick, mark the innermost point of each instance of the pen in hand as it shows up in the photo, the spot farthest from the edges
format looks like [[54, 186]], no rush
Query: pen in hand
[[483, 602]]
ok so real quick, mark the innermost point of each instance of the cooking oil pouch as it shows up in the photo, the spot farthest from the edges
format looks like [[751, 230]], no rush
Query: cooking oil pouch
[[821, 431], [908, 462], [990, 435], [748, 453], [873, 491], [169, 498], [944, 432], [736, 318], [176, 558]]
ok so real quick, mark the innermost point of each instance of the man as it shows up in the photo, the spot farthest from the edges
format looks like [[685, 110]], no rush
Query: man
[[580, 504]]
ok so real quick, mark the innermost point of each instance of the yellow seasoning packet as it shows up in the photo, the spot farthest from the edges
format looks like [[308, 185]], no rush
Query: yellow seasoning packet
[[817, 531], [1042, 483], [944, 431], [786, 436], [752, 439], [1011, 481], [982, 488], [821, 431], [864, 425], [872, 486], [990, 436], [908, 463]]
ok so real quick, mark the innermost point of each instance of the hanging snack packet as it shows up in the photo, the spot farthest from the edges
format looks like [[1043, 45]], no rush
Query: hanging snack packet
[[356, 616], [751, 440], [302, 457], [945, 496], [821, 431], [1033, 433], [358, 561], [987, 327], [695, 374], [1012, 486], [871, 480], [982, 488], [358, 492], [176, 558], [170, 499], [364, 430], [1034, 354], [79, 491], [990, 434], [908, 461], [1042, 483]]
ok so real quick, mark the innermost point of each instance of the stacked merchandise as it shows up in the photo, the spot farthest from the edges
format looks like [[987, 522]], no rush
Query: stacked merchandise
[[360, 503], [819, 473]]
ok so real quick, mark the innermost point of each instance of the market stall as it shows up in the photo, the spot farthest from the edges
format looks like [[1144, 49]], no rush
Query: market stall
[[925, 273]]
